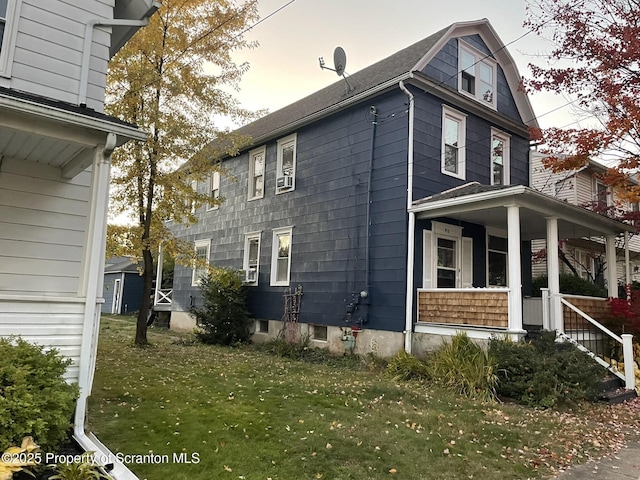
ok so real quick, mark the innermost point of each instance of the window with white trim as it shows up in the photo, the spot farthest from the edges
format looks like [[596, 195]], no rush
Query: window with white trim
[[584, 264], [201, 263], [497, 261], [477, 74], [499, 158], [453, 142], [9, 15], [281, 257], [214, 189], [256, 173], [447, 257], [251, 262], [602, 196], [286, 164]]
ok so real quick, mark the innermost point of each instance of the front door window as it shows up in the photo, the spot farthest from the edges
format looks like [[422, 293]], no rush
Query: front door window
[[447, 263]]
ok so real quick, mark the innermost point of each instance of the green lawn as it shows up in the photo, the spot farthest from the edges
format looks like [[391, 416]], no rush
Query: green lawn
[[243, 414]]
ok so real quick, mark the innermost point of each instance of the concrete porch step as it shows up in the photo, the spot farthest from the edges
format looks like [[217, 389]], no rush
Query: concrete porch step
[[613, 391]]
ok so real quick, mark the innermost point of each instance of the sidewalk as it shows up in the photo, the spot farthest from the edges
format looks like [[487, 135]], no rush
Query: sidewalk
[[625, 465]]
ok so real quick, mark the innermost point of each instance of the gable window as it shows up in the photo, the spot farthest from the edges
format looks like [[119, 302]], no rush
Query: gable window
[[201, 263], [9, 12], [281, 257], [214, 190], [251, 260], [477, 74], [453, 143], [497, 257], [286, 164], [256, 173], [499, 158]]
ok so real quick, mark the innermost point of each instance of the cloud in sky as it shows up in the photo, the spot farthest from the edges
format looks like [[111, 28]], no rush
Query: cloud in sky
[[284, 68]]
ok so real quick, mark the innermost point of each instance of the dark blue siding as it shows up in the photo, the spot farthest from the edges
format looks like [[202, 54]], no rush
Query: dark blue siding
[[328, 213], [132, 293]]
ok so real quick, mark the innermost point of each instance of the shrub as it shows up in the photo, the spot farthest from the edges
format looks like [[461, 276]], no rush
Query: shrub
[[545, 373], [403, 366], [35, 400], [464, 368], [571, 285], [224, 318]]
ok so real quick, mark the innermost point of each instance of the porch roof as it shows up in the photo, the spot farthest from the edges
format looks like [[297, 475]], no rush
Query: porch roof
[[485, 205]]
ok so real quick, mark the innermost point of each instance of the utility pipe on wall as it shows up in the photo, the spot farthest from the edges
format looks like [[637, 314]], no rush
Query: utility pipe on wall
[[367, 255]]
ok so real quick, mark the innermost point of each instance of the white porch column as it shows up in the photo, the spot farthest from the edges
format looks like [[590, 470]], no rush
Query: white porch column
[[553, 274], [627, 265], [159, 266], [612, 277], [515, 273]]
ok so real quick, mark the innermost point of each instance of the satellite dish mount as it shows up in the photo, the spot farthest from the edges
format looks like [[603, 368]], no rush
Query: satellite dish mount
[[339, 63]]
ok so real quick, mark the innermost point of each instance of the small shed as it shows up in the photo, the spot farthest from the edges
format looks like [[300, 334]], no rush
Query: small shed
[[122, 286]]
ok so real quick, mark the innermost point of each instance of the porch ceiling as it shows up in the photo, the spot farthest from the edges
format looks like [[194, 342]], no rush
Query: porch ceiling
[[488, 208]]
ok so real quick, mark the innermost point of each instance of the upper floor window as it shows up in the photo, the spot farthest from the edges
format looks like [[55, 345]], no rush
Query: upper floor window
[[256, 173], [251, 262], [453, 142], [601, 194], [9, 11], [286, 164], [201, 263], [281, 257], [499, 158], [477, 75], [3, 19], [214, 189]]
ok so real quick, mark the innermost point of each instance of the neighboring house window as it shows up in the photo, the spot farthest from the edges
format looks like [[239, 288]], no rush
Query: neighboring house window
[[499, 158], [203, 248], [497, 260], [477, 77], [256, 173], [251, 262], [602, 196], [281, 257], [9, 14], [453, 142], [584, 264], [214, 189], [286, 164], [448, 257], [189, 203]]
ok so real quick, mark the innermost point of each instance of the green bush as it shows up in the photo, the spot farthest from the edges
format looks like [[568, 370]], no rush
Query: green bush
[[224, 318], [35, 400], [463, 367], [571, 285], [403, 366], [545, 373]]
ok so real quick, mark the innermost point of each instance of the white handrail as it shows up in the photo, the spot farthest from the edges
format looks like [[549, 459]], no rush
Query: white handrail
[[592, 321]]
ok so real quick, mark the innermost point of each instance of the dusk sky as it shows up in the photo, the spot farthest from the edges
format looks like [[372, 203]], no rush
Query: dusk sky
[[285, 68]]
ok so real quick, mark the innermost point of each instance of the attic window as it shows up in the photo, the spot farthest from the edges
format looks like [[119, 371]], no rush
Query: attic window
[[477, 75]]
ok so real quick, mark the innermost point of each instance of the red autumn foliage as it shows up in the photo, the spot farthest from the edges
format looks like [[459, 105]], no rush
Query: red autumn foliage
[[625, 314], [596, 61]]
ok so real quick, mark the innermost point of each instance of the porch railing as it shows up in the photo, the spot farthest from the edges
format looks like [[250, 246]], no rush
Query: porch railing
[[478, 307], [163, 296], [607, 348]]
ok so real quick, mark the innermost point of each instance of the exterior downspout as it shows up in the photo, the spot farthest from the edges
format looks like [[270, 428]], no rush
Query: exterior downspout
[[86, 50], [408, 328], [367, 254], [93, 279]]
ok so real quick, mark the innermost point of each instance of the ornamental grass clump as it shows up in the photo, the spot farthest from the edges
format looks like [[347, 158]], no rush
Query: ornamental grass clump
[[35, 399]]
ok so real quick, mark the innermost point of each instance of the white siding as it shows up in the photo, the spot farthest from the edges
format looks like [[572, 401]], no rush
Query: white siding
[[48, 52], [584, 189], [43, 221], [53, 323]]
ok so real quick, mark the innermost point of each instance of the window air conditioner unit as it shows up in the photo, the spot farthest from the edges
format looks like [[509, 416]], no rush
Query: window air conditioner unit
[[285, 182], [251, 275]]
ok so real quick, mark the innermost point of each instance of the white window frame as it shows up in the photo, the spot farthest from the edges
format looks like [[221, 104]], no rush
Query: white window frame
[[596, 183], [282, 143], [584, 263], [196, 272], [245, 262], [479, 59], [506, 157], [495, 232], [461, 119], [251, 195], [9, 37], [214, 189], [274, 257]]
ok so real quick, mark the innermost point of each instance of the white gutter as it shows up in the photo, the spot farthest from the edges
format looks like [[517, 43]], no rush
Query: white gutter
[[408, 328], [93, 281], [88, 40]]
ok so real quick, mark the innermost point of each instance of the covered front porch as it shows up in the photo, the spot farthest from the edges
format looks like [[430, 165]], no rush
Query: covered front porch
[[472, 249]]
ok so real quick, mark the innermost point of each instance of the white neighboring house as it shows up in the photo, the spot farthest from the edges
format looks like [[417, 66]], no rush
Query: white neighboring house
[[583, 187], [55, 147]]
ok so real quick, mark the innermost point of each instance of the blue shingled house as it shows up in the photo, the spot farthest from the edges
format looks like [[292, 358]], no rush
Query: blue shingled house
[[398, 200]]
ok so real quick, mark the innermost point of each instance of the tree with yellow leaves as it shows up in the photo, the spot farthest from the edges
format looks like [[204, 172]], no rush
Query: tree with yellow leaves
[[171, 79]]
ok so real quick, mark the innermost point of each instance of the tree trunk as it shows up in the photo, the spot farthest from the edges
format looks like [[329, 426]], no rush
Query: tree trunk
[[147, 292]]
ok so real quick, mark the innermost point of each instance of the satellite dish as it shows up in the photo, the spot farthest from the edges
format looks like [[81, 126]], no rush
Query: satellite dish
[[339, 60]]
